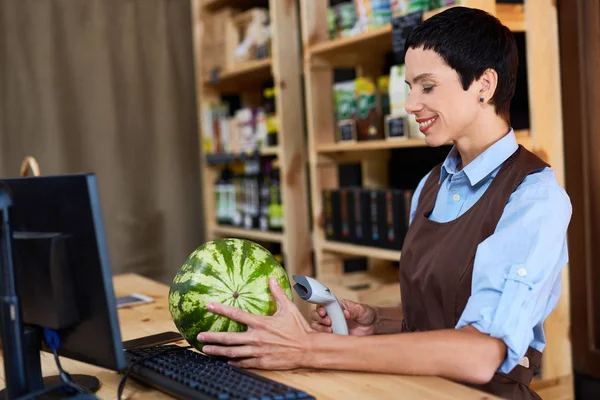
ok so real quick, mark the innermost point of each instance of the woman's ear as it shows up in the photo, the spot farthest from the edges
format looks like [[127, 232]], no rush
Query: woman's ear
[[488, 82]]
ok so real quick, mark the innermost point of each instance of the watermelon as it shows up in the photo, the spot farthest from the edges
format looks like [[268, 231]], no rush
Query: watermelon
[[235, 272]]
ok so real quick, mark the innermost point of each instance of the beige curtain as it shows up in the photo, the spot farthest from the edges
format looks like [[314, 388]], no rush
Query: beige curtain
[[107, 86]]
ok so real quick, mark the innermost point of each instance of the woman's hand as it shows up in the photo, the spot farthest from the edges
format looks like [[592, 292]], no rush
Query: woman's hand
[[275, 342], [361, 318]]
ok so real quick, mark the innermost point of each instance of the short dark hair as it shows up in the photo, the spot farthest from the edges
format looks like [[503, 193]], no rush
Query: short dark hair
[[470, 41]]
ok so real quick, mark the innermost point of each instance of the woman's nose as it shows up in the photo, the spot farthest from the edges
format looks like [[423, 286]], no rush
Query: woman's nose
[[413, 103]]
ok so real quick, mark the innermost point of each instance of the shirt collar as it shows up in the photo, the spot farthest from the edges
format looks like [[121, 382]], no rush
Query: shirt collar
[[486, 163]]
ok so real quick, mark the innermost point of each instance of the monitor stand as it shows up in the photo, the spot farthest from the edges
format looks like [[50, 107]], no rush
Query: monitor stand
[[32, 341]]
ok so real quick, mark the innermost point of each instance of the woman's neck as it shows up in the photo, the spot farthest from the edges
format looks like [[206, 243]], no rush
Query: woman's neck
[[478, 137]]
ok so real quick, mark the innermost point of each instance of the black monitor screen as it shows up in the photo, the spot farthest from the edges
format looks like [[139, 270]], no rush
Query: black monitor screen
[[62, 266]]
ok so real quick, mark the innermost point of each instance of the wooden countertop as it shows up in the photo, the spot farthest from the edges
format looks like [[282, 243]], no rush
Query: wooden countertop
[[147, 319]]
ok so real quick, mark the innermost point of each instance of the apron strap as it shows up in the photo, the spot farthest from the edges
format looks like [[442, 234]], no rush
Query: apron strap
[[524, 371]]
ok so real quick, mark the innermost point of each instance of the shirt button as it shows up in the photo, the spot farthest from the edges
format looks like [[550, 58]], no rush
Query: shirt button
[[456, 197], [522, 272]]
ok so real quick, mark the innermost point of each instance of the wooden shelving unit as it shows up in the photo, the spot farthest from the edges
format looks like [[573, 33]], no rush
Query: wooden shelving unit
[[212, 5], [360, 251], [365, 52], [244, 76], [251, 234], [283, 67]]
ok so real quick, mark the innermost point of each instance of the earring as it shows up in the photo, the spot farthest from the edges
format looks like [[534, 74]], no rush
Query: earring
[[481, 99]]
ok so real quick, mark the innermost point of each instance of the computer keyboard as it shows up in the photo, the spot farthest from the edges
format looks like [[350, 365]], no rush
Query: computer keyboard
[[187, 374]]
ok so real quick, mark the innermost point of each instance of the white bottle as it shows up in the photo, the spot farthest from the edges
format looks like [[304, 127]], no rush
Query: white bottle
[[399, 96]]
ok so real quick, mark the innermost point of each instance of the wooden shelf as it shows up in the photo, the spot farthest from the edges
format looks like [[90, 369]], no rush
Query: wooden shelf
[[348, 43], [225, 158], [370, 145], [339, 147], [252, 72], [374, 293], [349, 50], [512, 15], [252, 234], [372, 44], [269, 151], [212, 5], [524, 138], [361, 251]]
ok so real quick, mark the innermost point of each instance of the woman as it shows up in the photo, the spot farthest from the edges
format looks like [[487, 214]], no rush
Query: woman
[[480, 266]]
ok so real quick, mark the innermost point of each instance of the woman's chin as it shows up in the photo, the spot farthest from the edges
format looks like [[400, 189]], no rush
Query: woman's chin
[[433, 140]]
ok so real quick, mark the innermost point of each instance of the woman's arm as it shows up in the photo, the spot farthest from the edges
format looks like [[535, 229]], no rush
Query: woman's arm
[[285, 341], [464, 355]]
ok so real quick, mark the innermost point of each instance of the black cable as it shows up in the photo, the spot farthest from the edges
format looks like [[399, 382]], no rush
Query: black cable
[[65, 379], [141, 360], [41, 392]]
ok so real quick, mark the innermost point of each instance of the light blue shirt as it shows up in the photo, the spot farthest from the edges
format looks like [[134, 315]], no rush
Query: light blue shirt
[[516, 276]]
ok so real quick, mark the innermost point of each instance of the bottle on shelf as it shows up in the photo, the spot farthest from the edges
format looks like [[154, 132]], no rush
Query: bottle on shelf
[[275, 205], [271, 116], [265, 195], [229, 193], [238, 188], [251, 193], [223, 217]]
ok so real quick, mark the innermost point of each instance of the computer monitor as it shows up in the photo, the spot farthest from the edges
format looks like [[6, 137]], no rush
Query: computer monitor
[[62, 270]]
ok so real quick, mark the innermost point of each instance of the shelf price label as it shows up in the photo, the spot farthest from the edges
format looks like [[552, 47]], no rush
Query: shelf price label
[[396, 127], [346, 130], [402, 26]]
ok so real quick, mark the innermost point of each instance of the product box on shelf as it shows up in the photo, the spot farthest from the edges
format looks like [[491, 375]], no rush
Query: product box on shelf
[[394, 221], [215, 129], [331, 214], [344, 98], [248, 36], [367, 217], [360, 106], [369, 119], [341, 20]]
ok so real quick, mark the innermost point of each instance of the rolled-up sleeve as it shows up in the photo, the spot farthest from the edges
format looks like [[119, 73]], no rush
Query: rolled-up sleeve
[[516, 272]]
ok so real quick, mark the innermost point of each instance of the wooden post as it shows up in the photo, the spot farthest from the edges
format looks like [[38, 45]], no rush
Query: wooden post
[[541, 33], [287, 71]]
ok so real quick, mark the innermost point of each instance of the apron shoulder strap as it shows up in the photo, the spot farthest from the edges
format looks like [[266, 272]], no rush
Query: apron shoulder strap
[[430, 190]]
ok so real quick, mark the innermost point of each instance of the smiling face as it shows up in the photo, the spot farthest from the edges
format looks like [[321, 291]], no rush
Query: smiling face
[[445, 111]]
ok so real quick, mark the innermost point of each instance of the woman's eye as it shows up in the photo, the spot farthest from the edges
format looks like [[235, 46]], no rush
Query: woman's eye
[[427, 89]]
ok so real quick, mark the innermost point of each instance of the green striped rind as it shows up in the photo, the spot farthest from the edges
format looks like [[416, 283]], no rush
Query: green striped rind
[[213, 273]]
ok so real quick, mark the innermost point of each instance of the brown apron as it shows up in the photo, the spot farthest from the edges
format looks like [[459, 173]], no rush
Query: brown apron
[[436, 266]]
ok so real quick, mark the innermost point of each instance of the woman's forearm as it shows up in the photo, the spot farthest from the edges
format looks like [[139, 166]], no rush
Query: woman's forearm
[[388, 320], [463, 355]]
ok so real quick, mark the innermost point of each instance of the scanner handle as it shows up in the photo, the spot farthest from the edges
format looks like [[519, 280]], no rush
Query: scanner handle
[[338, 320]]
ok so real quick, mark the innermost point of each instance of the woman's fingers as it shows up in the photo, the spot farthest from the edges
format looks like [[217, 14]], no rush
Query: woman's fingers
[[321, 319], [321, 328], [230, 351], [233, 313], [226, 338]]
